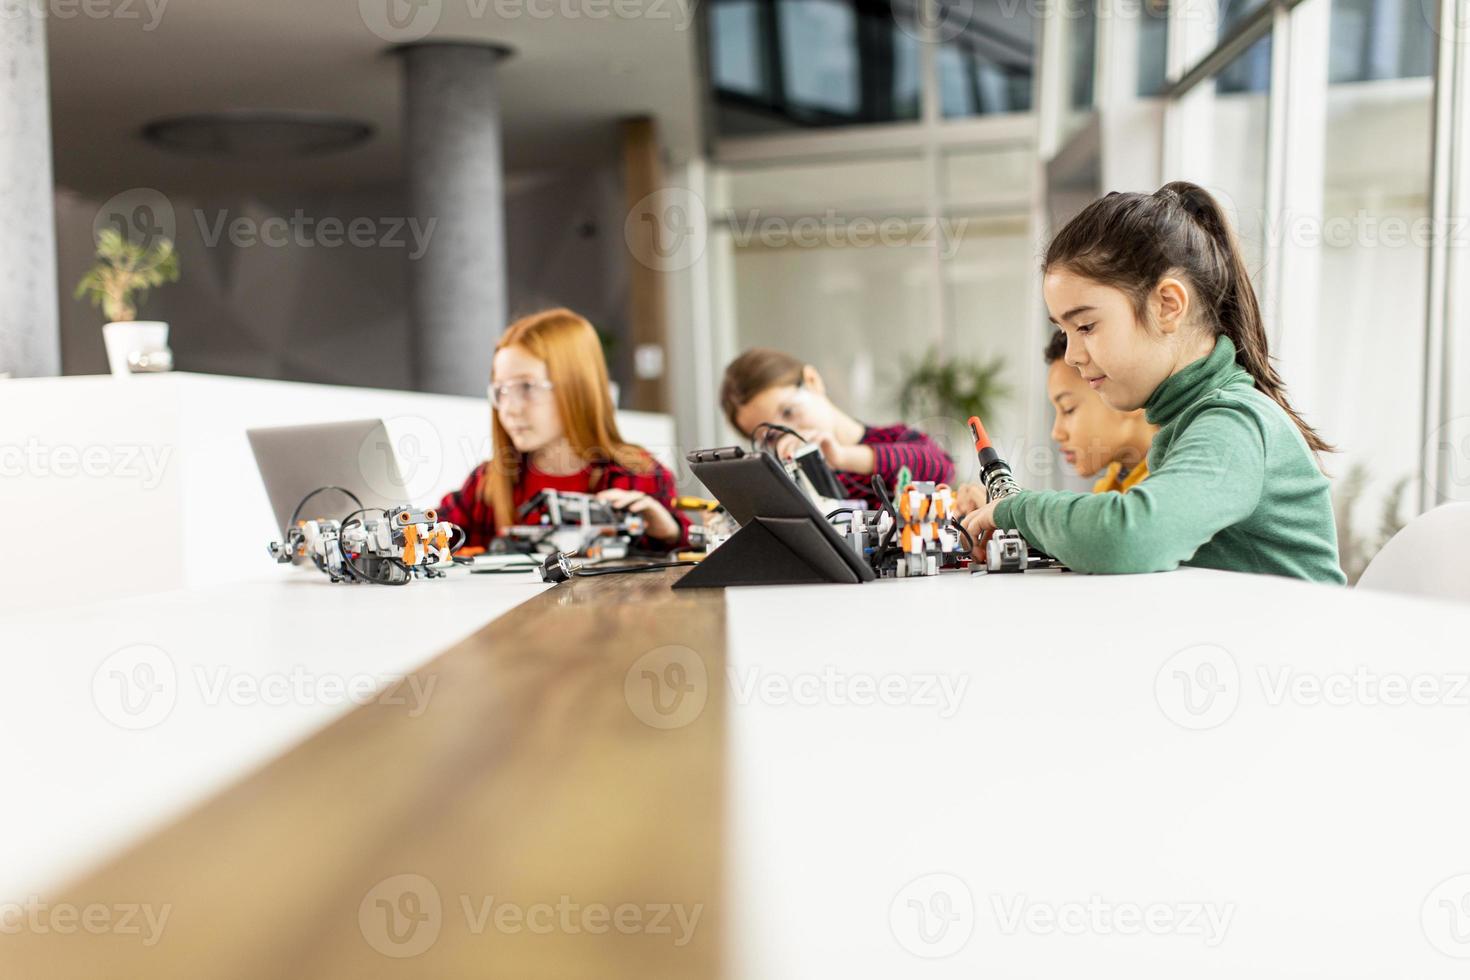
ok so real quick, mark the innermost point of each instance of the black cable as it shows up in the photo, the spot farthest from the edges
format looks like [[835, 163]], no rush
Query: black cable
[[840, 510], [774, 427], [880, 555], [296, 514], [961, 528], [357, 572], [631, 569]]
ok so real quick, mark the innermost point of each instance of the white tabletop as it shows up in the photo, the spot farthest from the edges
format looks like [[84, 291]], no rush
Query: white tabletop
[[119, 716], [1042, 795]]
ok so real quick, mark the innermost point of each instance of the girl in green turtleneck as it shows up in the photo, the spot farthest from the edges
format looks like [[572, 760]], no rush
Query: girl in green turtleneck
[[1159, 314]]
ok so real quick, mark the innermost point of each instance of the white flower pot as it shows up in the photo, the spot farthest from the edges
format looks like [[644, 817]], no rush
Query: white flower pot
[[135, 337]]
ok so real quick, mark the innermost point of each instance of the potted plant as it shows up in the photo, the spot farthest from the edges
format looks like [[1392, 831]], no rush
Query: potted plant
[[951, 387], [117, 283]]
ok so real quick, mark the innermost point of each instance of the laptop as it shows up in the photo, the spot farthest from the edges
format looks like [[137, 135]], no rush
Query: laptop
[[357, 456]]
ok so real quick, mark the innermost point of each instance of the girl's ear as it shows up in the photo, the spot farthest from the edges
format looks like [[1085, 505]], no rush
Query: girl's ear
[[812, 381], [1170, 301]]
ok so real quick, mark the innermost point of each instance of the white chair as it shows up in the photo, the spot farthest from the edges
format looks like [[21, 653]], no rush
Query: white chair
[[1430, 556]]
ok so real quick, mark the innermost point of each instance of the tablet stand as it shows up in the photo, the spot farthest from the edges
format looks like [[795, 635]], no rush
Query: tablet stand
[[770, 551]]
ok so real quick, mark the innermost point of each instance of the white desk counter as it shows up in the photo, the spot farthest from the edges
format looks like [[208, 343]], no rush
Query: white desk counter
[[120, 715], [148, 484], [1061, 757]]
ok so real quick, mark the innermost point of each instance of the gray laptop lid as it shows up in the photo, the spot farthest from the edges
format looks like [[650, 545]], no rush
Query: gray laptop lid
[[297, 459]]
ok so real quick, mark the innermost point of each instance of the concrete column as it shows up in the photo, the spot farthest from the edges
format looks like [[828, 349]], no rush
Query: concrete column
[[30, 334], [457, 288]]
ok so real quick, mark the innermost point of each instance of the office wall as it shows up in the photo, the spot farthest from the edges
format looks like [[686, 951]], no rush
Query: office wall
[[311, 310]]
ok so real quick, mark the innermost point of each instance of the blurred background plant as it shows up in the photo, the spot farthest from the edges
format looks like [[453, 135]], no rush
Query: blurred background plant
[[950, 387], [120, 281], [1355, 550]]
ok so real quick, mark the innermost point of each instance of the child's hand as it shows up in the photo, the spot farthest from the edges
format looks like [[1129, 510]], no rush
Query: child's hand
[[968, 497], [661, 524], [980, 523]]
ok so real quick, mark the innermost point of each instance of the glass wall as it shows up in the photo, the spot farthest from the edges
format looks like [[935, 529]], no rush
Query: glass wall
[[784, 65], [1230, 116], [1374, 261], [1356, 112], [850, 266]]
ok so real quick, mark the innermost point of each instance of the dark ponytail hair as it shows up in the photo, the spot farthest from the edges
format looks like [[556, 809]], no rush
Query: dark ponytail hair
[[1131, 241]]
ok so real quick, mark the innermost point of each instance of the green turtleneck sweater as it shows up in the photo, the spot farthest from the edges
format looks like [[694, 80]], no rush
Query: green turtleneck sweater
[[1232, 485]]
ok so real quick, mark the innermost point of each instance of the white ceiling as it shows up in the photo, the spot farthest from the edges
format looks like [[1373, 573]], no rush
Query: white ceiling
[[578, 67]]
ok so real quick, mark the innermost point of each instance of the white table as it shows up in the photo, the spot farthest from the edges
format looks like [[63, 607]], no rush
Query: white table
[[148, 484], [1073, 771], [119, 716]]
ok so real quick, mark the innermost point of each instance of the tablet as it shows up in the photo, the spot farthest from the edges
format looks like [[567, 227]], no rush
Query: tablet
[[764, 500]]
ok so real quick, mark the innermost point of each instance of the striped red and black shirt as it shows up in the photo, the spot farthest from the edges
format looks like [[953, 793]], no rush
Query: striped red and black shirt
[[894, 447], [468, 508]]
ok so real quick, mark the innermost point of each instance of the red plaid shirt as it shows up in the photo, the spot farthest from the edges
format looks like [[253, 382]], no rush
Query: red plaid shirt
[[467, 507], [895, 447]]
